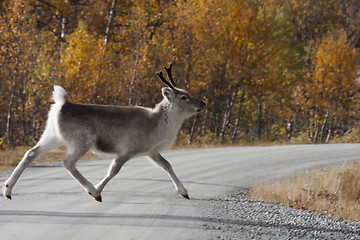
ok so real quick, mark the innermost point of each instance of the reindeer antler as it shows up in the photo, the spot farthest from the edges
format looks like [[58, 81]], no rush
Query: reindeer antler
[[161, 77], [168, 72]]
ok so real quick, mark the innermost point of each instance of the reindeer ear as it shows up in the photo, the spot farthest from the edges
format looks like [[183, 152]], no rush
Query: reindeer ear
[[168, 93]]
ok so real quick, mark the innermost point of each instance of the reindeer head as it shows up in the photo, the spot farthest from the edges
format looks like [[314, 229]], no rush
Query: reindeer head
[[179, 98]]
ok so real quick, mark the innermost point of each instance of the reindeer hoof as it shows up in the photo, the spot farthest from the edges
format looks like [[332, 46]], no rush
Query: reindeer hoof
[[6, 191], [186, 196], [184, 193], [99, 199]]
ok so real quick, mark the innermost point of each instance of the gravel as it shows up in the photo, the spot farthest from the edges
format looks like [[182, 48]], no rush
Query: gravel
[[236, 217]]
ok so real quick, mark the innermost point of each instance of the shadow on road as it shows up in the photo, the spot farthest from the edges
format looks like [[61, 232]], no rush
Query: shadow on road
[[52, 217]]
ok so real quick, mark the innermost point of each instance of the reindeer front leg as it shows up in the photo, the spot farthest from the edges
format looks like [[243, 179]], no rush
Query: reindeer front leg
[[114, 168], [164, 164]]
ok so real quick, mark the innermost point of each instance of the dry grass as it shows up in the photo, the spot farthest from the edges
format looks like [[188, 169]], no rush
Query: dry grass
[[351, 136], [333, 192], [10, 158]]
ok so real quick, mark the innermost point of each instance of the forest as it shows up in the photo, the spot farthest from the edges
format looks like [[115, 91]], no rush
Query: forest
[[270, 70]]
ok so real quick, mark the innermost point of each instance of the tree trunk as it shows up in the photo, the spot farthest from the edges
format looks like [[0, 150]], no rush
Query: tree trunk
[[9, 115], [192, 131], [310, 125], [62, 35], [12, 98], [133, 78], [236, 125], [328, 136], [260, 120], [330, 130], [111, 17], [227, 115], [316, 131], [324, 125], [203, 125]]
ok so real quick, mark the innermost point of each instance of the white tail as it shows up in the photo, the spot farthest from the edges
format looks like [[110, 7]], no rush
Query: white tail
[[124, 132], [59, 95]]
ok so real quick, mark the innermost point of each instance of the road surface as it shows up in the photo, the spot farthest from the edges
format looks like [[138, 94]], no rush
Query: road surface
[[141, 202]]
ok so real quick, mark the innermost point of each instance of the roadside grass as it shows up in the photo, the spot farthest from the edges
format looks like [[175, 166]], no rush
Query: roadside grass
[[333, 192], [10, 158], [351, 136]]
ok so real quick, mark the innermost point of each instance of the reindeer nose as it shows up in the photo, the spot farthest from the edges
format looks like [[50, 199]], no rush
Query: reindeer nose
[[202, 104]]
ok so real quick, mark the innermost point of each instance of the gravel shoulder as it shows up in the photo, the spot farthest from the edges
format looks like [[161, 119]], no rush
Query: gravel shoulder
[[233, 216]]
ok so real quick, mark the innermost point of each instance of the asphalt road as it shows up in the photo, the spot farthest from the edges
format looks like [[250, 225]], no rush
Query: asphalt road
[[141, 202]]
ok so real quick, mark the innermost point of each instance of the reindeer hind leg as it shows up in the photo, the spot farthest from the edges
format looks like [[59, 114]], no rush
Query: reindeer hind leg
[[43, 146], [72, 156]]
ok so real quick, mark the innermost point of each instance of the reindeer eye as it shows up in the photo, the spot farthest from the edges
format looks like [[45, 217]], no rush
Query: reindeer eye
[[183, 97]]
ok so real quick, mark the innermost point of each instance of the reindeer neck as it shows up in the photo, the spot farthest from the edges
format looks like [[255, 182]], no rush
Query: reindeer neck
[[169, 116]]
